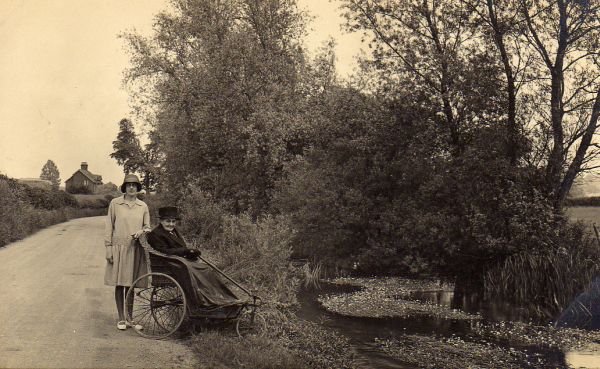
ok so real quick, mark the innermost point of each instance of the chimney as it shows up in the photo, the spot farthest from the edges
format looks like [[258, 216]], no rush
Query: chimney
[[84, 165]]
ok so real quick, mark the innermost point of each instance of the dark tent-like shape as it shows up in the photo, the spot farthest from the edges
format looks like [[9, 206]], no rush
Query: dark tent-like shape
[[584, 311]]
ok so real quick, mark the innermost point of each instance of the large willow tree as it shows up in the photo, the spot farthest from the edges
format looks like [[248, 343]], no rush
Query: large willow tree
[[527, 67]]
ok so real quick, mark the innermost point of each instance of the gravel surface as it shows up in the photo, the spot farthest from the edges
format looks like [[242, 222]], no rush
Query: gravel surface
[[56, 311]]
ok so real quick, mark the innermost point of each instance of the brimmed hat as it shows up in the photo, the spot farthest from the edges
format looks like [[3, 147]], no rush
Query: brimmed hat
[[169, 212], [131, 178]]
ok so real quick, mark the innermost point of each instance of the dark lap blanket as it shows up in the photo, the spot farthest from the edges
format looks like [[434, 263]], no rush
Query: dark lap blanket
[[203, 286]]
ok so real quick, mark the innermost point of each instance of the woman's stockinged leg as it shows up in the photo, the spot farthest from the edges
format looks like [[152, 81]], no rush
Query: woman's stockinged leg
[[119, 299], [128, 303]]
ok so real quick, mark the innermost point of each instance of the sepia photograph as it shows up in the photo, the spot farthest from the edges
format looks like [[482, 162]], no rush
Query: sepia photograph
[[322, 184]]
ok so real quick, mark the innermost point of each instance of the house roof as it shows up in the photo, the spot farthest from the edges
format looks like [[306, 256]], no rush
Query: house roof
[[91, 176]]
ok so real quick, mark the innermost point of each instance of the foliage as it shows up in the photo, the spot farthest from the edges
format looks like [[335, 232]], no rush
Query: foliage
[[254, 253], [528, 67], [424, 47], [97, 201], [224, 87], [127, 148], [26, 210], [108, 188], [50, 172], [49, 199], [258, 254], [81, 189], [38, 197], [202, 216], [447, 156]]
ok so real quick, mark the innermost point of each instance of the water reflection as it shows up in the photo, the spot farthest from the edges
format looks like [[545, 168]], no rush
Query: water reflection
[[363, 331], [491, 310], [586, 358]]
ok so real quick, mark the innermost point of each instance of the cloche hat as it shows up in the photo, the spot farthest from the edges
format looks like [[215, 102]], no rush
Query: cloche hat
[[169, 212], [131, 178]]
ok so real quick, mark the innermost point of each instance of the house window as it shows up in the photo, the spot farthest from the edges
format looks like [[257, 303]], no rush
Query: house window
[[85, 182]]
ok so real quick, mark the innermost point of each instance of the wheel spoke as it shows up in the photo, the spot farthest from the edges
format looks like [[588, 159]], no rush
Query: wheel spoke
[[159, 308]]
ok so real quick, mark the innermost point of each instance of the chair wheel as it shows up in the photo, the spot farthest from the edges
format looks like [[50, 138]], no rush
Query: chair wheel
[[249, 322], [160, 307]]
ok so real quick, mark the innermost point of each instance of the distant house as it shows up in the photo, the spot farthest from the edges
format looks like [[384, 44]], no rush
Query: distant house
[[83, 181]]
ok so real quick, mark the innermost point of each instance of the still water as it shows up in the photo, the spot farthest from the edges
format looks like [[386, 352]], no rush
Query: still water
[[363, 331]]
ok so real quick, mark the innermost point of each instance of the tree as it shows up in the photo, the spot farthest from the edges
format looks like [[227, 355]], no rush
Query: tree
[[538, 79], [426, 47], [152, 159], [128, 152], [50, 172], [135, 159], [224, 93], [565, 35]]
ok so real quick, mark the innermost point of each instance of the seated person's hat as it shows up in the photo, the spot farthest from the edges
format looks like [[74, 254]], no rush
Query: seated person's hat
[[169, 212]]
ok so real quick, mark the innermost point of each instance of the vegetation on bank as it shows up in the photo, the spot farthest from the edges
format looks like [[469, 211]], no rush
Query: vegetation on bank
[[257, 253], [26, 209], [439, 160]]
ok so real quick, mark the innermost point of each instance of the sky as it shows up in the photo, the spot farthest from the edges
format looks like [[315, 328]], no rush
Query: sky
[[61, 69]]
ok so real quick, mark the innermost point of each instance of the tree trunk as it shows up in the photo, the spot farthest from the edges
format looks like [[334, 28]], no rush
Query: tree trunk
[[575, 167], [511, 123]]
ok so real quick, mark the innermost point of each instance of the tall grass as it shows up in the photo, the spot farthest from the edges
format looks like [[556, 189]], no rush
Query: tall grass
[[216, 350], [546, 281]]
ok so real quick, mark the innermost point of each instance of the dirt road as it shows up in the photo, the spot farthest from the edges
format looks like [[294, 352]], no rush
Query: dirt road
[[55, 311]]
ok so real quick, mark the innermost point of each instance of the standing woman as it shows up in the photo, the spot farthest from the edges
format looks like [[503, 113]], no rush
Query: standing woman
[[128, 217]]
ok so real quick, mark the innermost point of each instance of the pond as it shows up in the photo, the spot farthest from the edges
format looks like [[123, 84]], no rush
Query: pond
[[366, 334]]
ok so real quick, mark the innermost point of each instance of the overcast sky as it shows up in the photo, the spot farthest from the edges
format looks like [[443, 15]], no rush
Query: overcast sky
[[61, 67]]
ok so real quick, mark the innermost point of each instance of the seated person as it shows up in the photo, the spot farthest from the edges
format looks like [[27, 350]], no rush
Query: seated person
[[203, 285], [165, 237]]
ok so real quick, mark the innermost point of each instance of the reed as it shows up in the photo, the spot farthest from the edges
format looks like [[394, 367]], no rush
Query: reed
[[312, 273], [545, 281]]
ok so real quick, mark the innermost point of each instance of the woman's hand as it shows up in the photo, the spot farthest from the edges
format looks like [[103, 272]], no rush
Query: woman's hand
[[109, 254], [137, 234]]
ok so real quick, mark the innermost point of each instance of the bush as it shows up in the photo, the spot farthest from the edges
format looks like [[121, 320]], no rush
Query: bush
[[202, 216], [83, 190], [108, 188], [92, 201], [49, 199], [255, 253], [21, 218], [258, 254]]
